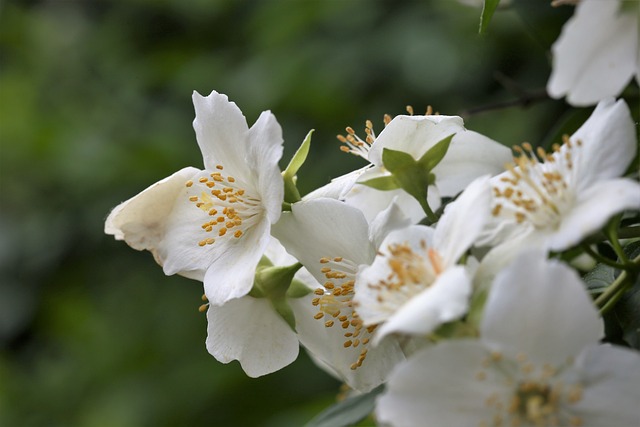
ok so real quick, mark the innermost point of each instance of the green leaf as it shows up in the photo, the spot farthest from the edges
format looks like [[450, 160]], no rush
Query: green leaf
[[431, 158], [599, 278], [291, 193], [487, 12], [382, 183], [348, 412]]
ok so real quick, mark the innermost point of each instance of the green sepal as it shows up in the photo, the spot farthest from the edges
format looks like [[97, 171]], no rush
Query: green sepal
[[431, 158], [415, 176], [298, 289], [291, 193], [382, 183], [488, 8], [273, 282]]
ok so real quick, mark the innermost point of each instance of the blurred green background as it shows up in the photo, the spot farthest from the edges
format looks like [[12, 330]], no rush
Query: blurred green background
[[95, 105]]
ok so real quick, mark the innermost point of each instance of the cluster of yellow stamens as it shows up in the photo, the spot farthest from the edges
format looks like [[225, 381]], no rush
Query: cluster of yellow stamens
[[411, 273], [536, 187], [537, 398], [335, 305], [360, 147], [223, 200]]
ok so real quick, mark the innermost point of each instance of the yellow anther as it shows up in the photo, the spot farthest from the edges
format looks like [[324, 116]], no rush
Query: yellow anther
[[219, 167], [189, 183], [237, 234], [203, 179], [193, 198]]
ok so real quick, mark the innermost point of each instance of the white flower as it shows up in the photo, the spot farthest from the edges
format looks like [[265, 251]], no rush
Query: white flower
[[470, 155], [597, 53], [415, 283], [212, 224], [537, 363], [555, 200], [332, 239], [249, 330]]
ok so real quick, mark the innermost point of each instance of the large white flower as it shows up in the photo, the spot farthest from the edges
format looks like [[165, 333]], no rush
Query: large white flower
[[415, 283], [556, 200], [537, 363], [470, 155], [598, 52], [332, 239], [212, 224], [249, 329]]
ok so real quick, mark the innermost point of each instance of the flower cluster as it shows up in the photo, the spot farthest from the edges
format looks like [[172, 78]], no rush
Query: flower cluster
[[446, 268]]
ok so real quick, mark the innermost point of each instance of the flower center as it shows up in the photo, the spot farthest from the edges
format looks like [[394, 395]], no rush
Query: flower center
[[538, 189], [410, 274], [336, 307], [231, 210], [538, 398]]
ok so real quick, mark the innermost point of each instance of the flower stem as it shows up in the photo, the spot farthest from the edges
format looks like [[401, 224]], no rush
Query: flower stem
[[615, 290]]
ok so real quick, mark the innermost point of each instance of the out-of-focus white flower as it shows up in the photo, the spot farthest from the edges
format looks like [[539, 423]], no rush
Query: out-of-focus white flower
[[470, 155], [415, 284], [332, 239], [597, 53], [537, 363], [555, 200], [212, 224], [249, 330]]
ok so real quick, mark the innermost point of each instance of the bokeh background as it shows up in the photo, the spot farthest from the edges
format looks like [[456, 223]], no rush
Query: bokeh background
[[95, 105]]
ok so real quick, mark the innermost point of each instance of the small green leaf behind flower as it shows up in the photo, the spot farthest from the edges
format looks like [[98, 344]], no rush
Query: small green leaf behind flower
[[291, 193], [487, 13], [347, 412]]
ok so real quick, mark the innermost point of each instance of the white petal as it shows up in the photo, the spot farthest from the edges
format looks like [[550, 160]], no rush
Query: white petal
[[540, 308], [264, 152], [414, 135], [610, 394], [221, 130], [446, 300], [462, 221], [594, 57], [249, 330], [338, 187], [277, 254], [608, 144], [231, 274], [326, 345], [439, 386], [142, 220], [470, 155], [593, 209], [320, 228], [386, 221]]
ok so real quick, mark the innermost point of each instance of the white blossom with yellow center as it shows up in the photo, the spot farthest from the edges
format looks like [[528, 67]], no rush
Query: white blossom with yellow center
[[554, 200], [470, 155], [415, 283], [332, 240], [212, 224], [537, 362]]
